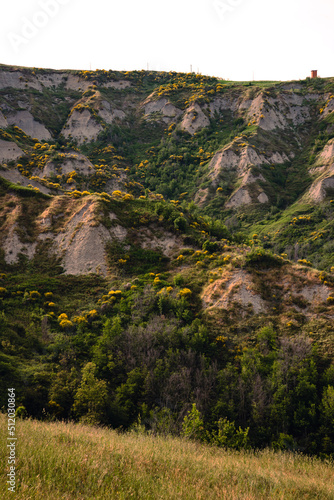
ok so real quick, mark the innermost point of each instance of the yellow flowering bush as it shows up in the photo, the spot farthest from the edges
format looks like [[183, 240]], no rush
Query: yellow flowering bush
[[65, 323], [128, 196], [165, 290], [105, 195], [322, 276], [117, 194], [79, 320], [305, 262]]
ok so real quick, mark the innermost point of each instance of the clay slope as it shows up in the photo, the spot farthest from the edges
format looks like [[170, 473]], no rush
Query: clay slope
[[106, 119], [77, 231]]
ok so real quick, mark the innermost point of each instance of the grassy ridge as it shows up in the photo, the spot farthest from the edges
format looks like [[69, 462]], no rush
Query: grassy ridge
[[70, 461]]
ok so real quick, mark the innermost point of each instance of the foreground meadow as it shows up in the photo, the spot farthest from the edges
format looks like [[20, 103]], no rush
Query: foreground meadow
[[69, 461]]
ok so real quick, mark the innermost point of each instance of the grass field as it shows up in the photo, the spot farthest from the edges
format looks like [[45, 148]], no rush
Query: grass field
[[68, 461]]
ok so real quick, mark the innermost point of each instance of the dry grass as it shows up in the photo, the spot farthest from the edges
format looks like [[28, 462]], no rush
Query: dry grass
[[67, 461]]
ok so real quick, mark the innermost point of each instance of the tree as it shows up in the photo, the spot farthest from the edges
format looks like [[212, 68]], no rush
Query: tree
[[327, 409], [193, 426], [90, 401]]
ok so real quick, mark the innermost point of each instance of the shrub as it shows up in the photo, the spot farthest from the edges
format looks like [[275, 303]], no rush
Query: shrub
[[21, 412], [305, 262], [66, 324], [178, 280], [192, 426], [229, 436], [90, 401], [284, 442], [93, 314], [117, 194], [210, 246], [180, 223], [54, 409], [79, 320], [260, 258], [127, 196]]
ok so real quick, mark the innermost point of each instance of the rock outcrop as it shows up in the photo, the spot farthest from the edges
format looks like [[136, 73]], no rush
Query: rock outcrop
[[161, 106], [82, 127], [194, 119], [26, 122], [9, 151]]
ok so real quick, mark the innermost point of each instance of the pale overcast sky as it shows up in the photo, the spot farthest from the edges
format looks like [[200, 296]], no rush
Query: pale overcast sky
[[232, 39]]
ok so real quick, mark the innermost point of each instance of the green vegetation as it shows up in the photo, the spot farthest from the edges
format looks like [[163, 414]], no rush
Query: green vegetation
[[141, 347], [6, 186], [177, 167], [60, 460], [302, 231], [199, 324]]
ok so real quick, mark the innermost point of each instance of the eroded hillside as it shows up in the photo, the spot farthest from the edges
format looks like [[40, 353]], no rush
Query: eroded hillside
[[244, 153]]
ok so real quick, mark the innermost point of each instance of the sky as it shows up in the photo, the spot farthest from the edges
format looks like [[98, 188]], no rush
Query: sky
[[230, 39]]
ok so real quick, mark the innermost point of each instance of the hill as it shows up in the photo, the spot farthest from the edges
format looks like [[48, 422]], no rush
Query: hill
[[257, 155], [59, 461], [166, 239]]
